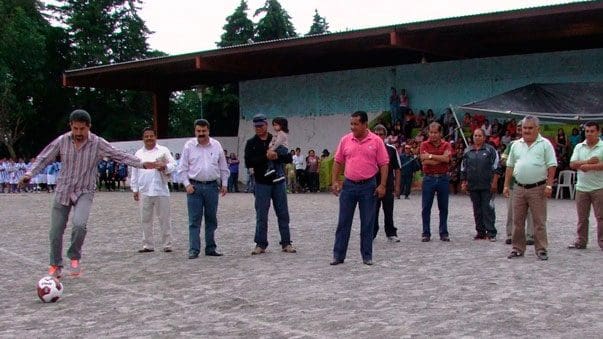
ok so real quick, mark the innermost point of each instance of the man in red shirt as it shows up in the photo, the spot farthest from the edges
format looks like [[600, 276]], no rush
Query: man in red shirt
[[363, 154], [435, 155]]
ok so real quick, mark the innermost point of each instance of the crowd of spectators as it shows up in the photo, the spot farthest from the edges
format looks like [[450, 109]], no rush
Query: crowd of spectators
[[11, 171]]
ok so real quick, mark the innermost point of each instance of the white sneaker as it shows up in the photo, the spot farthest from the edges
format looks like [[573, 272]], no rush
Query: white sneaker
[[393, 238]]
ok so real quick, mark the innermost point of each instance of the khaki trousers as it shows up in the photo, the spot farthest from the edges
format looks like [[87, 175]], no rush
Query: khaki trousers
[[535, 201], [530, 222], [159, 206], [583, 202]]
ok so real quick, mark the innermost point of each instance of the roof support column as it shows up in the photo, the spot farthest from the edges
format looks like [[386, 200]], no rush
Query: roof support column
[[161, 108]]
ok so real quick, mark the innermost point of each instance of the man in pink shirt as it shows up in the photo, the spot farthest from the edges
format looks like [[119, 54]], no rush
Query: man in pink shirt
[[363, 154]]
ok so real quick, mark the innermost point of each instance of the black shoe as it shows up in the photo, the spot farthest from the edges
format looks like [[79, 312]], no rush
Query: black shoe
[[479, 236], [508, 241], [445, 238], [542, 255], [213, 254], [167, 250], [336, 262], [193, 256], [425, 239], [146, 250], [368, 262], [530, 242]]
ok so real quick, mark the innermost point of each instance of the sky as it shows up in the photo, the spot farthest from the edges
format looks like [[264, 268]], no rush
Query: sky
[[184, 26]]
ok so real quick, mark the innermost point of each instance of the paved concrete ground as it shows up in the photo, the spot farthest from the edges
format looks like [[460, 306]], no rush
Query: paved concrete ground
[[464, 288]]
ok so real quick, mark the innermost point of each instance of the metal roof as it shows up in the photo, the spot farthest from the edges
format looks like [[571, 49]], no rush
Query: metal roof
[[572, 26]]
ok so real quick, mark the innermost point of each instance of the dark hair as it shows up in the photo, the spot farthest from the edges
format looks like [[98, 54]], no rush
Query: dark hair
[[202, 123], [79, 115], [362, 115], [146, 129], [591, 124], [281, 122]]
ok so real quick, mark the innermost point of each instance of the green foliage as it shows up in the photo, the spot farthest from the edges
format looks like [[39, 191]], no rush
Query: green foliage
[[276, 23], [185, 108], [319, 25], [102, 32], [238, 28]]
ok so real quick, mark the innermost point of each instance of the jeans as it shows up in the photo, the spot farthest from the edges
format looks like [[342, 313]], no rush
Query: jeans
[[483, 212], [431, 186], [350, 195], [202, 203], [276, 192], [58, 222], [233, 182]]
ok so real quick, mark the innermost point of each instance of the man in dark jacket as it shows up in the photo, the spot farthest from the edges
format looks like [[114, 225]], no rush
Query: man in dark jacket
[[257, 155], [480, 171]]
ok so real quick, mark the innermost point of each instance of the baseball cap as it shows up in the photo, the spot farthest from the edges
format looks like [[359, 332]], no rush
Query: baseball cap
[[259, 120]]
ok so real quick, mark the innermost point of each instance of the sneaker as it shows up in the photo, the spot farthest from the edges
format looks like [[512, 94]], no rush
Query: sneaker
[[425, 239], [576, 246], [269, 172], [508, 241], [258, 250], [393, 238], [289, 249], [480, 237], [492, 238], [279, 179], [74, 268], [55, 271]]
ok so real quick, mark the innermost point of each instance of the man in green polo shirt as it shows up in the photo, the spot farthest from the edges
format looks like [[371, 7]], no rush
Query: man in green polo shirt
[[587, 159], [530, 224], [532, 163]]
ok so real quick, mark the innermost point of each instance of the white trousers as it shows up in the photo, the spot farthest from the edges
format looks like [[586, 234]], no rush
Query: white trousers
[[159, 206]]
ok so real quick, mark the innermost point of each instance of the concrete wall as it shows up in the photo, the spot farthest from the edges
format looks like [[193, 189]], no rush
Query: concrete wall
[[430, 85]]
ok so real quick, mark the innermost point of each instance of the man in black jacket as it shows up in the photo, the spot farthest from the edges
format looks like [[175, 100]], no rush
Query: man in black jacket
[[257, 155]]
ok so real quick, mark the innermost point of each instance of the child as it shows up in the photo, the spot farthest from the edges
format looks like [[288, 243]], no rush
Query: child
[[279, 144]]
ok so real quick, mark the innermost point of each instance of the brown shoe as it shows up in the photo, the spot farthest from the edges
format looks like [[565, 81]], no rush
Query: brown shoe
[[289, 249], [258, 250]]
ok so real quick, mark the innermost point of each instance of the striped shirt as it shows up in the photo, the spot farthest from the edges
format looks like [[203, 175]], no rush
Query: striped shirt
[[78, 173]]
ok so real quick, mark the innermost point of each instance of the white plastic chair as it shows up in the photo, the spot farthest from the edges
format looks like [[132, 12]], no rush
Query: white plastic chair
[[566, 179]]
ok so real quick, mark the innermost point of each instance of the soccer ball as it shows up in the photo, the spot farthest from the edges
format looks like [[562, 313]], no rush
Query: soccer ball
[[49, 289]]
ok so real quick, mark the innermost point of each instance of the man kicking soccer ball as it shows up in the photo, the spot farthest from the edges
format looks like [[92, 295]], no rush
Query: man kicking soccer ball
[[80, 151]]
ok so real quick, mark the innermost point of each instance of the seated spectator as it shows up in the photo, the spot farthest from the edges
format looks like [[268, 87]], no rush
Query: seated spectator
[[497, 128], [507, 138]]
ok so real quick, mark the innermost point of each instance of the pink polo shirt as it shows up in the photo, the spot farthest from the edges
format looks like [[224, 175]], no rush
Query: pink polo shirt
[[361, 158]]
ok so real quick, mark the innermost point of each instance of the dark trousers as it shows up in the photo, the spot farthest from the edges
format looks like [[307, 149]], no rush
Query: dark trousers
[[406, 183], [483, 212], [388, 215]]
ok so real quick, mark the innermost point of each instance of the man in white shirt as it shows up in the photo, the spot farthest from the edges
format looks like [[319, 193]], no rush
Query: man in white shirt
[[204, 172], [150, 187], [300, 169]]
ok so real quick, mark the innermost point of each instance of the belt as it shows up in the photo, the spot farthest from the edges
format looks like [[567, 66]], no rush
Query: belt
[[528, 186], [360, 182], [436, 174], [193, 181]]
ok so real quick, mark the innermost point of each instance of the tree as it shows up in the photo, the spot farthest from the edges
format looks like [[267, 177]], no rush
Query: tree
[[102, 32], [238, 29], [319, 25], [22, 58], [276, 23]]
